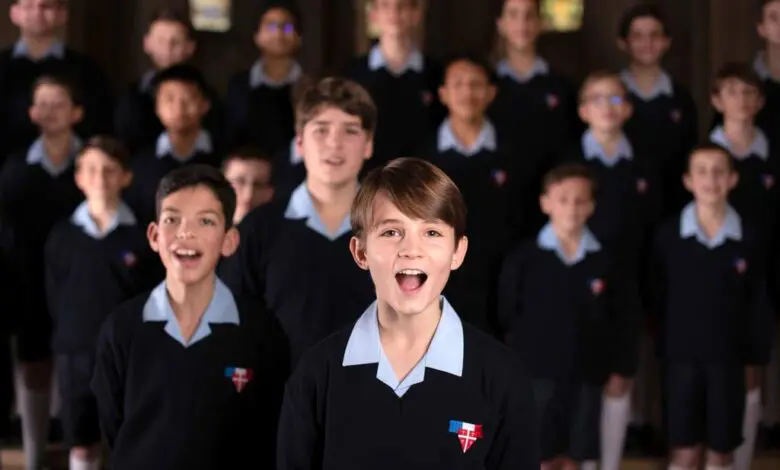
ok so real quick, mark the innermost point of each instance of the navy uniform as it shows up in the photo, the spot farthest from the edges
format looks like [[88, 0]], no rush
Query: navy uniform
[[305, 275], [466, 404], [88, 274], [573, 322], [212, 402], [768, 119], [11, 300], [716, 318], [289, 170]]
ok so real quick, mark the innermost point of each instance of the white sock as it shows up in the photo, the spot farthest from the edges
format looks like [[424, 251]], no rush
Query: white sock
[[78, 464], [34, 409], [743, 457], [588, 465], [715, 467], [676, 467], [614, 421]]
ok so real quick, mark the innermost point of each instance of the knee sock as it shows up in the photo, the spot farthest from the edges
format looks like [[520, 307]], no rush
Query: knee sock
[[614, 421], [78, 464], [715, 467], [743, 457], [588, 465], [34, 410], [677, 467]]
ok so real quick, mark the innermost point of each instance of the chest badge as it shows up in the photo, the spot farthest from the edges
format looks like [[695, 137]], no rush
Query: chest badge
[[467, 433], [239, 376], [769, 181], [500, 177], [427, 97], [676, 116], [129, 258], [641, 185], [552, 101], [741, 266], [597, 287]]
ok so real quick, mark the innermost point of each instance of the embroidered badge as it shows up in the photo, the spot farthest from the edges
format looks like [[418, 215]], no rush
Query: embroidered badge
[[467, 433], [597, 286], [676, 115], [129, 259], [553, 101], [239, 376], [641, 185], [427, 97], [741, 265], [769, 181], [499, 176]]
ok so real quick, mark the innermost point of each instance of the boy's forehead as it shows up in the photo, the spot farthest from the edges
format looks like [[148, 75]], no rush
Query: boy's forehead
[[772, 6], [168, 28], [604, 84], [645, 23], [464, 67], [735, 82], [334, 115], [710, 157], [276, 14], [182, 87], [192, 199], [571, 184]]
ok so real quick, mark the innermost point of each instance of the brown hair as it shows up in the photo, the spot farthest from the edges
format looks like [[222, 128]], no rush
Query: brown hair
[[568, 171], [711, 147], [412, 3], [340, 93], [741, 71], [63, 81], [247, 153], [598, 76], [169, 14], [111, 147], [419, 189]]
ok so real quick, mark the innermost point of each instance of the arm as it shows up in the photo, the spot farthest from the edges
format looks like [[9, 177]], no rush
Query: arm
[[509, 293], [51, 256], [759, 321], [108, 382], [625, 309], [300, 438]]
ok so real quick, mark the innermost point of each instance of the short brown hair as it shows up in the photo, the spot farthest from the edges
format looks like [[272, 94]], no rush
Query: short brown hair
[[111, 147], [419, 189], [63, 81], [413, 3], [247, 153], [568, 171], [598, 76], [340, 93], [741, 71], [711, 147], [169, 14]]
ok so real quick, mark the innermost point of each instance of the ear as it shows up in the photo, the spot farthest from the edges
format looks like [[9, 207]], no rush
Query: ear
[[461, 247], [443, 95], [686, 179], [544, 203], [491, 94], [500, 26], [761, 102], [582, 111], [14, 13], [76, 115], [759, 29], [78, 178], [628, 110], [733, 179], [667, 43], [299, 143], [368, 150], [127, 179], [230, 242], [358, 250], [33, 114], [152, 234], [205, 106], [189, 49], [622, 45], [717, 102]]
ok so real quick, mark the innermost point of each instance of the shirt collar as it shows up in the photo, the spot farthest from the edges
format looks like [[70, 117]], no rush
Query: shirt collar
[[662, 87], [37, 155], [82, 218], [202, 144], [56, 50], [485, 141], [221, 310], [591, 149], [376, 61], [445, 352], [257, 76], [547, 240], [301, 207], [145, 83], [295, 157], [689, 227], [761, 68], [540, 67], [759, 147]]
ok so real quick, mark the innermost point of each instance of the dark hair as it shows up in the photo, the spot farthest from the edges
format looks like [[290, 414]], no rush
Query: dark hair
[[471, 58], [764, 3], [417, 188], [191, 176], [169, 14], [413, 3], [111, 147], [711, 147], [741, 71], [598, 76], [502, 5], [288, 6], [569, 171], [337, 92], [66, 82], [247, 153], [184, 73], [643, 10]]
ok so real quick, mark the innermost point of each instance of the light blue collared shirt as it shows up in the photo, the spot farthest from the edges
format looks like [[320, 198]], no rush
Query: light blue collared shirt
[[295, 157], [81, 217], [485, 141], [504, 69], [689, 227], [662, 87], [302, 207], [759, 147], [376, 61], [547, 240], [37, 155], [257, 76], [445, 352], [593, 150], [56, 50], [145, 83], [761, 68], [221, 310], [202, 144]]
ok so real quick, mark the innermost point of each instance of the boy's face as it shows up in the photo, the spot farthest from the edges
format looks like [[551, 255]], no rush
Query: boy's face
[[39, 17], [520, 23], [334, 145], [738, 100], [100, 177], [180, 106], [467, 91], [409, 259], [251, 180], [168, 43], [53, 110], [568, 204], [769, 26], [647, 42], [709, 177], [276, 35], [395, 18], [604, 106], [190, 235]]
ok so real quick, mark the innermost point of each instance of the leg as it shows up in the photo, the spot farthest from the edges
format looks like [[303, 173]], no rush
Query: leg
[[719, 461], [569, 464], [584, 433], [725, 412], [685, 413], [685, 458], [771, 414], [549, 411], [614, 421], [744, 455], [79, 411]]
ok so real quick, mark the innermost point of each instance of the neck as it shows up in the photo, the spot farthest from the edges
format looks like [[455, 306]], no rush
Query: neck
[[278, 68], [521, 60], [608, 137], [37, 46], [189, 302], [642, 71], [103, 211], [568, 236], [711, 214], [396, 49], [183, 143], [739, 131], [408, 330], [332, 196], [772, 59], [58, 146], [467, 131]]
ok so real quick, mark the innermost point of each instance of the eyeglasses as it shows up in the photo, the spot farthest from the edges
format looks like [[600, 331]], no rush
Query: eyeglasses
[[286, 27], [600, 100]]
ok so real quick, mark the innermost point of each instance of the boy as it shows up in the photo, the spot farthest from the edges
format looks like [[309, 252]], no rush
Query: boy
[[294, 253], [260, 100], [412, 385], [39, 52], [96, 260], [169, 41], [402, 81], [189, 375], [766, 66], [562, 289], [664, 122], [467, 149], [711, 280], [289, 170], [628, 205], [37, 190], [250, 173], [182, 102]]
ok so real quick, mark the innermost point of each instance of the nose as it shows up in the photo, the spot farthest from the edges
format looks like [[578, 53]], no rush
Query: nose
[[410, 248], [186, 230], [334, 139]]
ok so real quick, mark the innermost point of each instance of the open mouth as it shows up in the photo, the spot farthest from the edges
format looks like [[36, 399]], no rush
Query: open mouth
[[334, 161], [410, 280], [187, 255]]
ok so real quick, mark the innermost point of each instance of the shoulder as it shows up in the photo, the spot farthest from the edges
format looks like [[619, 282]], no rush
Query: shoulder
[[124, 321], [560, 81], [571, 153], [357, 68], [5, 55], [319, 362], [259, 323], [240, 80], [14, 169], [264, 218], [61, 233], [523, 252], [668, 231], [500, 367]]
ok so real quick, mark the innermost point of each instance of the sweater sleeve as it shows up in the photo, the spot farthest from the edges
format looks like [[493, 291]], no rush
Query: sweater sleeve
[[510, 291], [108, 382], [626, 322]]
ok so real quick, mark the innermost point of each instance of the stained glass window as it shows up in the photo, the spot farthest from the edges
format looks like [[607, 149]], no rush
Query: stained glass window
[[562, 15], [210, 15]]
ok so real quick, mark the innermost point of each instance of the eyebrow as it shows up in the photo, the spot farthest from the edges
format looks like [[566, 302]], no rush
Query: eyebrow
[[398, 221], [321, 122], [177, 211]]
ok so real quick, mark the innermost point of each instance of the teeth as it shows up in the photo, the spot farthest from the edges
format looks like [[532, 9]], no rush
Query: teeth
[[411, 272], [183, 252]]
